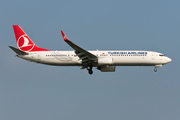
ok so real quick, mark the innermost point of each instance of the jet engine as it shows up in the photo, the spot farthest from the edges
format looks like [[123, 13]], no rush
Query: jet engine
[[105, 61]]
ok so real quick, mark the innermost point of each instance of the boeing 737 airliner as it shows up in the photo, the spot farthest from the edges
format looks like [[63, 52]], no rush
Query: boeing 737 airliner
[[106, 61]]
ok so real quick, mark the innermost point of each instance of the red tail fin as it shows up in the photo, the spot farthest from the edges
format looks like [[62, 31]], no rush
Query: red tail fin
[[24, 43]]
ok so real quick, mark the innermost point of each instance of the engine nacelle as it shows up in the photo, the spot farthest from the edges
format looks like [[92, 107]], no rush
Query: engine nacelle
[[107, 68], [105, 61]]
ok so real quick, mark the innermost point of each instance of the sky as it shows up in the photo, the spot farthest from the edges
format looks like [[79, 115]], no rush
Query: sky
[[34, 91]]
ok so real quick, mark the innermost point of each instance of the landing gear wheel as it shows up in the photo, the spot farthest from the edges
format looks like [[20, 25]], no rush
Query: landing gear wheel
[[155, 70], [89, 68], [90, 72]]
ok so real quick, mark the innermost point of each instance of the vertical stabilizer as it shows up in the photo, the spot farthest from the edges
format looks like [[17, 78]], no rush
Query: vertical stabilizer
[[24, 43]]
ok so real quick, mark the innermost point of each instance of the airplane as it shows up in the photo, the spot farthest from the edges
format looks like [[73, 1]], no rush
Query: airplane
[[105, 61]]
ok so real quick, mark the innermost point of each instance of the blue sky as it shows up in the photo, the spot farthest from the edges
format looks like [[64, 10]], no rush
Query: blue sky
[[34, 91]]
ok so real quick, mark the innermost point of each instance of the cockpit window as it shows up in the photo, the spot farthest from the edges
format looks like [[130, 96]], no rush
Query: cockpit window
[[161, 55]]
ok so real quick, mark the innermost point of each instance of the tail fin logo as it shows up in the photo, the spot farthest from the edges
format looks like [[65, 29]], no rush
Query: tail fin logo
[[24, 43]]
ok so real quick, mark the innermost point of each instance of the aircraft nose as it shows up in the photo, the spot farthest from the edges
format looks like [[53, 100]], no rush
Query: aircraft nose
[[169, 60]]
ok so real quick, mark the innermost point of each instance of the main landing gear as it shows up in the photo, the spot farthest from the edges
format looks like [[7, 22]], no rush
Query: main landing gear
[[89, 68], [155, 69], [90, 72]]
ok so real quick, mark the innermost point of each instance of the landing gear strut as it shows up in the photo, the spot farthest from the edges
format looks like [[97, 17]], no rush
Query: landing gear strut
[[156, 66], [89, 68]]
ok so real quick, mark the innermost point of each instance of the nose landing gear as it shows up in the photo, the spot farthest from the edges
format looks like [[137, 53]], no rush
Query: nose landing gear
[[156, 66]]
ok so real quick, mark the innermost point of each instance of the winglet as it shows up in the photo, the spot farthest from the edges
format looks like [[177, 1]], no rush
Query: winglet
[[64, 36]]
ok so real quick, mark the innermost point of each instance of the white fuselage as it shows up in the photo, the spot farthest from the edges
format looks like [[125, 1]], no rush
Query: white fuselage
[[119, 58], [106, 61]]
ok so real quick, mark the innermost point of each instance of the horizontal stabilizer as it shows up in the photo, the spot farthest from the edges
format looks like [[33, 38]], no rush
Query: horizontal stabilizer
[[19, 52]]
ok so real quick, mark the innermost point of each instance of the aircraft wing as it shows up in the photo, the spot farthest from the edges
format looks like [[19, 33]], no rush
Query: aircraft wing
[[80, 52]]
